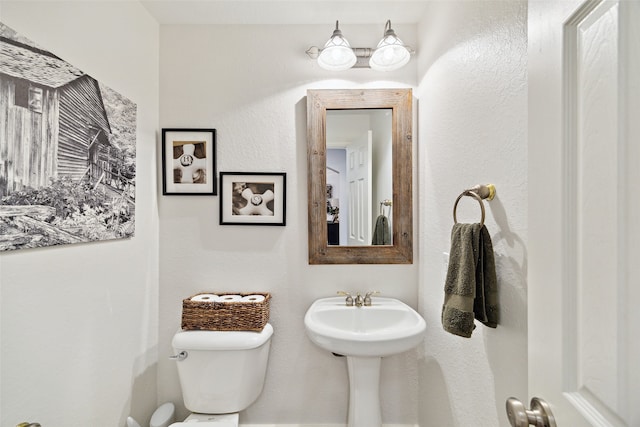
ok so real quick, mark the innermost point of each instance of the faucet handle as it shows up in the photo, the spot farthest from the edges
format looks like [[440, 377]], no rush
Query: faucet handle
[[349, 300], [367, 297], [359, 300]]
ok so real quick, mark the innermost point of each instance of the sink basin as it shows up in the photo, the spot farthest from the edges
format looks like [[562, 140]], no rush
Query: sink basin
[[387, 327]]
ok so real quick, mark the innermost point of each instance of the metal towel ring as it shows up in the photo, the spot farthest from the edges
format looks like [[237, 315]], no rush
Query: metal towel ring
[[470, 194]]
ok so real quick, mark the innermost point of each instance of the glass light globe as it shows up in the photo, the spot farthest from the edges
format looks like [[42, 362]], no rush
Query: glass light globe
[[390, 54], [337, 54]]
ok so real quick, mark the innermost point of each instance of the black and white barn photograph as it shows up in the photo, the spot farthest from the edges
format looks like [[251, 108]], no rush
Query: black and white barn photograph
[[67, 151]]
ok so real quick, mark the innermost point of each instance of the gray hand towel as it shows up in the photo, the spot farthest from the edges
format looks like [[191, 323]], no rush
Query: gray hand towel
[[471, 285], [381, 232]]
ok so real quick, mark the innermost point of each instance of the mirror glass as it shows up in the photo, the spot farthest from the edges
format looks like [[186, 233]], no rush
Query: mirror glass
[[359, 153], [359, 178]]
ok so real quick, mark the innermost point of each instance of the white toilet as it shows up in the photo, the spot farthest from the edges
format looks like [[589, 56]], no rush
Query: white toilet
[[221, 373]]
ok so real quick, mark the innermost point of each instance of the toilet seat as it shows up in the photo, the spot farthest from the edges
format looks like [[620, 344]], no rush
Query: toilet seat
[[204, 424], [209, 420]]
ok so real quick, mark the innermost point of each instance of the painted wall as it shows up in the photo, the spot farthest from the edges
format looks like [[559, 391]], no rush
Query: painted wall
[[473, 129], [253, 92], [106, 327], [79, 322]]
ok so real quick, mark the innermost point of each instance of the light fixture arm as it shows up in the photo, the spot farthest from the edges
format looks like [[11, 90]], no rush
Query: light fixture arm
[[337, 31], [388, 31]]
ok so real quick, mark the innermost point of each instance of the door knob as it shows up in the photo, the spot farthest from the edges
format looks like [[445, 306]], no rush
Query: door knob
[[539, 415]]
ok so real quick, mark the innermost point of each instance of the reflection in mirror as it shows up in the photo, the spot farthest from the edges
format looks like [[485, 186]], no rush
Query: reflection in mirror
[[359, 177], [331, 152]]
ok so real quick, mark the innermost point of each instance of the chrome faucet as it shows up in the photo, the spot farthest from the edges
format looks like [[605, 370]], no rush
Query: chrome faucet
[[358, 300]]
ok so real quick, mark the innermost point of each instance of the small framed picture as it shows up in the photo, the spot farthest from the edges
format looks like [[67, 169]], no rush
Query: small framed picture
[[189, 162], [253, 198]]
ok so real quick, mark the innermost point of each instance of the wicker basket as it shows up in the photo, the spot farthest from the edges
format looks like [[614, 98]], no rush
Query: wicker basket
[[226, 316]]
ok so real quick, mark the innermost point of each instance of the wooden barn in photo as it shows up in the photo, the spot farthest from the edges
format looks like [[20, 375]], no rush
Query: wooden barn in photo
[[53, 122]]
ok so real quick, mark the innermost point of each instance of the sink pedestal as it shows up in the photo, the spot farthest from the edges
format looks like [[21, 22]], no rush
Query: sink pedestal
[[364, 391]]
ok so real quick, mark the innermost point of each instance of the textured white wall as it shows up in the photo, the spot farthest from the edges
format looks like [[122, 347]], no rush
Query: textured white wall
[[253, 93], [79, 322], [101, 356], [473, 129]]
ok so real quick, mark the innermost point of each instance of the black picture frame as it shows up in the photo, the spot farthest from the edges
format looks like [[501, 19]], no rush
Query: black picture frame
[[189, 162], [253, 198]]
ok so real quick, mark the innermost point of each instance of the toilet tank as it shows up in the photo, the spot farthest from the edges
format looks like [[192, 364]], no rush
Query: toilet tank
[[223, 371]]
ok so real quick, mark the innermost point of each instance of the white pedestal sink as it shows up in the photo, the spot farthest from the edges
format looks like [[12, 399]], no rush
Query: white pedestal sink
[[364, 335]]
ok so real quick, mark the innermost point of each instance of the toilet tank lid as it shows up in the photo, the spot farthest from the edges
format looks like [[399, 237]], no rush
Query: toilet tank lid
[[221, 340]]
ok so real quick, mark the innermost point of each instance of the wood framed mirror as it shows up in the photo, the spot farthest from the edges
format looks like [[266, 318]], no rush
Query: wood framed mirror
[[400, 248]]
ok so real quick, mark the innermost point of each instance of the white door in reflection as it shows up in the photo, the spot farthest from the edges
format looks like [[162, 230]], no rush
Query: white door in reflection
[[359, 179]]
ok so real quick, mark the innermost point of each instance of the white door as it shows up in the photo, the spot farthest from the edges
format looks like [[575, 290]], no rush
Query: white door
[[584, 210], [359, 183]]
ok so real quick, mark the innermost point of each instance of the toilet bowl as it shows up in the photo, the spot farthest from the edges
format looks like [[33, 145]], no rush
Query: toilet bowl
[[221, 373]]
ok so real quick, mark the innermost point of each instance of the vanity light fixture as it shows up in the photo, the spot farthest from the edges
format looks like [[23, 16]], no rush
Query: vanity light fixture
[[391, 53], [337, 55]]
